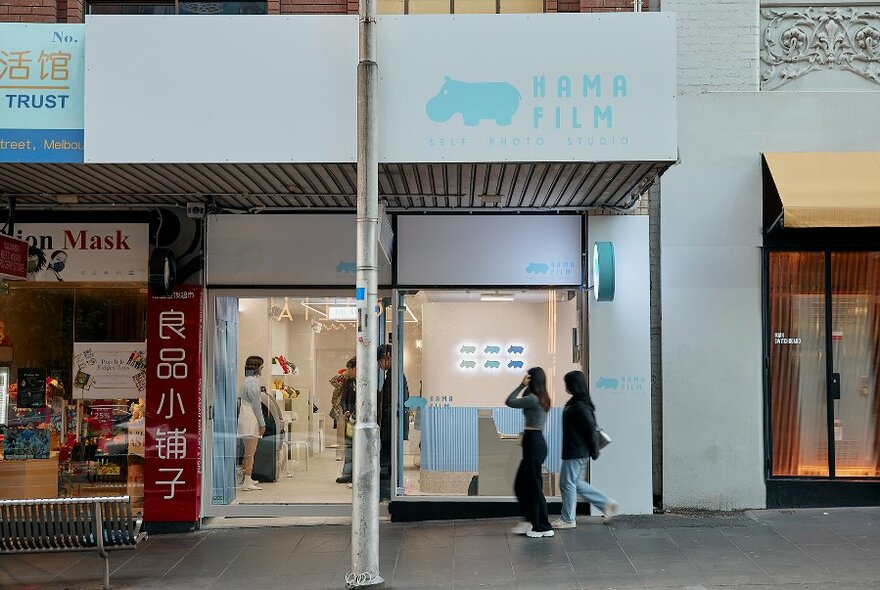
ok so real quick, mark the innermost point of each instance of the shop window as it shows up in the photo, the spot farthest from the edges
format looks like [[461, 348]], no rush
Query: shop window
[[824, 378], [198, 7], [460, 6], [72, 405], [461, 359]]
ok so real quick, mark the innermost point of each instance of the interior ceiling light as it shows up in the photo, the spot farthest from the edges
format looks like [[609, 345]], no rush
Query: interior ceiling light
[[491, 199], [496, 296]]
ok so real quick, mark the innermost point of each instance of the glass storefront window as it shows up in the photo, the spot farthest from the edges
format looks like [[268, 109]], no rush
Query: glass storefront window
[[305, 343], [71, 402], [462, 355]]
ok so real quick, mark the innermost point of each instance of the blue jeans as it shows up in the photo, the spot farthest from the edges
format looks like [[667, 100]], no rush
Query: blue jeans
[[571, 483]]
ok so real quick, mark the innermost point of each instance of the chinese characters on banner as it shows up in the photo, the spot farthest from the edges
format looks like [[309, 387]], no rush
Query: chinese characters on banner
[[173, 470]]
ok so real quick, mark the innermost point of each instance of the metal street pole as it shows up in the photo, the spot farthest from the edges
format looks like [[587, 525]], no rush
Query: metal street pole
[[365, 501]]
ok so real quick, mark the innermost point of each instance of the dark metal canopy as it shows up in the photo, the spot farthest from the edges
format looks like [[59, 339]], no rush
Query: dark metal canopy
[[244, 187]]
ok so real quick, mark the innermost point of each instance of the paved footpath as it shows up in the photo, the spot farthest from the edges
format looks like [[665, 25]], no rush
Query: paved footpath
[[836, 549]]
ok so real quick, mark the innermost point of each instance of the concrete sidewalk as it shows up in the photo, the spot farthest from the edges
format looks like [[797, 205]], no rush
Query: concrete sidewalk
[[835, 549]]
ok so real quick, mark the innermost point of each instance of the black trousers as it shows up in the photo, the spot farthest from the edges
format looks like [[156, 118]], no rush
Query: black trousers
[[529, 485]]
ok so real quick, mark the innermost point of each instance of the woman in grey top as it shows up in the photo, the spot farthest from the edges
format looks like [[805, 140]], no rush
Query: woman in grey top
[[529, 484], [251, 425]]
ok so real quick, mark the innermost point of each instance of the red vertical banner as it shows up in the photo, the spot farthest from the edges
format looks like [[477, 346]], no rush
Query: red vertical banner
[[173, 461]]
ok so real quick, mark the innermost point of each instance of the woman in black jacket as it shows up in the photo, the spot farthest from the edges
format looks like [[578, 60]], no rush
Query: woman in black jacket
[[580, 443]]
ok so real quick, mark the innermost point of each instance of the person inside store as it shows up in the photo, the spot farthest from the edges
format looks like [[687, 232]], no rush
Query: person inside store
[[529, 484], [347, 406], [580, 443], [383, 354], [251, 424]]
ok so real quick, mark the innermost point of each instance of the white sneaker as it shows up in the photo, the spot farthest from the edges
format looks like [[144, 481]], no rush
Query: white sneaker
[[538, 534], [249, 486], [522, 528], [611, 509], [254, 482], [561, 524]]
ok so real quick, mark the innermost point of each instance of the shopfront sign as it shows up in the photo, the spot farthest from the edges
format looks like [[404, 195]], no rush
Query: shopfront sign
[[109, 370], [13, 258], [567, 87], [42, 69], [96, 252], [489, 250], [173, 469]]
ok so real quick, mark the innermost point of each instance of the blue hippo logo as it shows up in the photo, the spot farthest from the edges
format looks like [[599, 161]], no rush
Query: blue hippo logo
[[607, 383], [492, 349], [492, 364], [538, 268], [344, 266], [468, 364], [515, 349], [467, 349], [515, 365], [475, 101]]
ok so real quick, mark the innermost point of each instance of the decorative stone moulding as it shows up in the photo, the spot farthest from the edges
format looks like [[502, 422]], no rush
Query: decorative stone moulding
[[798, 40]]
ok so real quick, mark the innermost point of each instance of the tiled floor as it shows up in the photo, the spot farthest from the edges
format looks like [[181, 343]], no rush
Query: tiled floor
[[766, 550]]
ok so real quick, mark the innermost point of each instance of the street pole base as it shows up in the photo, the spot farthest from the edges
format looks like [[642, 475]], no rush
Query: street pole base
[[376, 583]]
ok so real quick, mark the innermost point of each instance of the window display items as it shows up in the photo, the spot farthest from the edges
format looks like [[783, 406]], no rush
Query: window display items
[[25, 442], [31, 388]]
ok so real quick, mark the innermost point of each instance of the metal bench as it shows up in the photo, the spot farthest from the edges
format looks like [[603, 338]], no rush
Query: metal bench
[[60, 525]]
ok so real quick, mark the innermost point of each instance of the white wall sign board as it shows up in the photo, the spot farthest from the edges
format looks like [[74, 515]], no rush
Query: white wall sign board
[[550, 87], [283, 250], [86, 252], [489, 250], [567, 87], [245, 88], [620, 366], [109, 370]]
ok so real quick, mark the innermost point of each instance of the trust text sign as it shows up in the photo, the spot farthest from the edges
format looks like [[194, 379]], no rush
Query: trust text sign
[[173, 466], [565, 87], [41, 92]]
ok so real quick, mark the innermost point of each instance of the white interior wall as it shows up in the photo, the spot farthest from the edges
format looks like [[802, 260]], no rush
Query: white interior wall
[[711, 215]]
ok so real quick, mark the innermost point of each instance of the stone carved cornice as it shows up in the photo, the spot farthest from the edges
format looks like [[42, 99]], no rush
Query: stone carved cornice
[[798, 40]]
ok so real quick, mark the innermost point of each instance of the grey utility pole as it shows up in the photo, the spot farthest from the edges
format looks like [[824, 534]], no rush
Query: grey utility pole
[[365, 501]]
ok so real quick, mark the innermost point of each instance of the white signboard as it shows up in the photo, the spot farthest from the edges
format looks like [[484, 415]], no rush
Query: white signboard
[[109, 370], [463, 88], [550, 87], [246, 88], [489, 250], [279, 250], [104, 252]]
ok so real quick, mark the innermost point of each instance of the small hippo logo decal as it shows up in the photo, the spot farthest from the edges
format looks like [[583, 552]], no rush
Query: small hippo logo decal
[[475, 101], [467, 349], [515, 365], [537, 268], [492, 349], [515, 349], [468, 364], [344, 266], [607, 383], [492, 364]]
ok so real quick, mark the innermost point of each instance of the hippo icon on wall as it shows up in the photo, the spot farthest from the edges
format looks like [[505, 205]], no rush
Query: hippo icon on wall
[[492, 364], [475, 101], [607, 383], [538, 268], [515, 365], [515, 349], [467, 349], [492, 349], [468, 364]]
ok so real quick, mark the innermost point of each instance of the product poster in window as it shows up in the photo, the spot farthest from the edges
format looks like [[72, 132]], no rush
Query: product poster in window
[[109, 370], [31, 388]]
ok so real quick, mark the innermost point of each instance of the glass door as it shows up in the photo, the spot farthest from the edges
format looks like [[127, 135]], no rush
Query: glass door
[[824, 415]]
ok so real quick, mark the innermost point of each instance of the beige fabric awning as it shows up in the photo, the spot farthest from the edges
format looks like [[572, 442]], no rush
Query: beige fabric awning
[[827, 189]]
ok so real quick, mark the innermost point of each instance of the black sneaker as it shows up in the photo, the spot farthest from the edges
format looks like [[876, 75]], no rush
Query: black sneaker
[[343, 480]]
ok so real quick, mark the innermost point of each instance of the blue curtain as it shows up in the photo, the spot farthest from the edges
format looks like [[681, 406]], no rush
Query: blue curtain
[[225, 402]]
